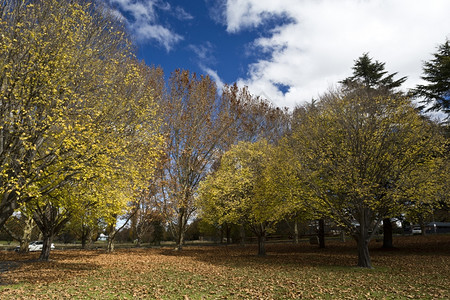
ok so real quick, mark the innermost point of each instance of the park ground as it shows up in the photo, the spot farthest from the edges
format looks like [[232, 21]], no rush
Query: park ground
[[418, 268]]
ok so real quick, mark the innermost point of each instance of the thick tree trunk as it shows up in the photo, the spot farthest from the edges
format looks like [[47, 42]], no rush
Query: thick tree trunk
[[26, 236], [110, 244], [363, 254], [85, 236], [295, 232], [321, 233], [46, 247], [387, 234]]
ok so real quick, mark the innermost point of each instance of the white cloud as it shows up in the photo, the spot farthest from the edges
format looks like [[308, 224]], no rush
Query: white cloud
[[181, 14], [204, 53], [213, 74], [204, 57], [318, 47], [143, 20]]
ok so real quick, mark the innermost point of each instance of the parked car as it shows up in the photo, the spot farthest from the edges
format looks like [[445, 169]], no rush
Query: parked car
[[416, 230], [36, 246]]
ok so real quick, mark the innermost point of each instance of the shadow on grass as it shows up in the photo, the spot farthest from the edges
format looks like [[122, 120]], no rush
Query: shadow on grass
[[18, 268], [337, 254]]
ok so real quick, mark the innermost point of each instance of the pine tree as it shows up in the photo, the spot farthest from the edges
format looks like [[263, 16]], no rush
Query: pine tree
[[437, 73], [371, 75]]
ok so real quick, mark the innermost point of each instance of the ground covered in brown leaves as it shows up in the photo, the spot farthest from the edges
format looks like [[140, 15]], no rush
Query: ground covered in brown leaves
[[419, 268]]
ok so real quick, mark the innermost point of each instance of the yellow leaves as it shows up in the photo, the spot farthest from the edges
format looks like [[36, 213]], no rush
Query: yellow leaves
[[69, 109], [242, 188]]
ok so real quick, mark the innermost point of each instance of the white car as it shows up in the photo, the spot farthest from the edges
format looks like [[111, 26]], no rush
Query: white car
[[416, 230], [36, 246]]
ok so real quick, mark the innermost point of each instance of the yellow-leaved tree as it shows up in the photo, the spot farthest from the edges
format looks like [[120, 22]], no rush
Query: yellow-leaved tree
[[254, 185], [76, 109], [359, 152]]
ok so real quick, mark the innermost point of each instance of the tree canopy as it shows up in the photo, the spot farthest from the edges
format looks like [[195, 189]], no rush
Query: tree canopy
[[75, 104], [357, 153], [250, 187]]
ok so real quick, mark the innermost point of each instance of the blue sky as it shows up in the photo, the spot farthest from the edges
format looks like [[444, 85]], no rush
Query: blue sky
[[288, 51]]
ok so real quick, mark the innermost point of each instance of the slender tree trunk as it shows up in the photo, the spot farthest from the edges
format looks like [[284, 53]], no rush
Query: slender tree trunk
[[222, 229], [295, 231], [181, 229], [46, 247], [342, 236], [261, 245], [387, 234], [422, 225], [228, 233], [111, 238], [261, 233], [321, 233], [242, 235], [138, 241]]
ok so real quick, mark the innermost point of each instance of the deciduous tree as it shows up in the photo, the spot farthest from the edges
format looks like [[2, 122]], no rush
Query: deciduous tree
[[250, 187], [197, 124], [357, 152], [75, 107]]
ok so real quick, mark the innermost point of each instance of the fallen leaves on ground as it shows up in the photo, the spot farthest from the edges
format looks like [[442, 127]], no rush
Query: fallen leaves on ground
[[419, 268]]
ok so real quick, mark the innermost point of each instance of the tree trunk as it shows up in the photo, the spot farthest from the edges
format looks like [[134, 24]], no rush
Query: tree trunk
[[26, 236], [50, 222], [112, 231], [422, 225], [261, 233], [321, 233], [8, 205], [228, 233], [180, 242], [110, 244], [46, 247], [387, 234], [242, 235], [181, 229], [261, 244], [295, 232], [85, 235], [363, 254], [342, 236]]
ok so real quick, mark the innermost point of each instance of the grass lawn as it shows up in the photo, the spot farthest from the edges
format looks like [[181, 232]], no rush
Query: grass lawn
[[419, 268]]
